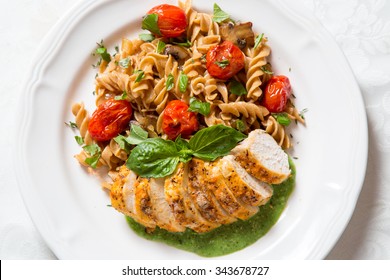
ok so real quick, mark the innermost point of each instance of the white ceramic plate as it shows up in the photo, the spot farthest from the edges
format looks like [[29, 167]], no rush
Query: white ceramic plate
[[69, 207]]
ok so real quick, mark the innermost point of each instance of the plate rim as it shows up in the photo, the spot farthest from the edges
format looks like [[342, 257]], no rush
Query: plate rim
[[79, 10]]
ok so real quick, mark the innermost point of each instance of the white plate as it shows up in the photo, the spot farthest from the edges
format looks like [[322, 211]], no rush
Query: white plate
[[70, 209]]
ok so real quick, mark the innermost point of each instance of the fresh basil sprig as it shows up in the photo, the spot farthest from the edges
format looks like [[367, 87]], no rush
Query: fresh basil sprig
[[156, 157], [170, 82]]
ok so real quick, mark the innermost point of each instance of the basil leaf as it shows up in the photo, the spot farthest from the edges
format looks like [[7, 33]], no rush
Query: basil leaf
[[214, 141], [79, 140], [169, 83], [93, 161], [94, 152], [154, 157], [121, 140], [160, 47], [240, 125], [183, 82], [146, 37], [258, 40], [92, 149], [282, 118], [125, 62], [237, 88], [136, 136], [199, 106], [123, 96], [140, 75], [102, 51], [149, 22], [219, 15], [222, 63]]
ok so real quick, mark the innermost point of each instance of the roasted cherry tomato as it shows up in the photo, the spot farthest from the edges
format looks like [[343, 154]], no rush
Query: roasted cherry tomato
[[276, 94], [177, 120], [224, 61], [109, 119], [172, 20]]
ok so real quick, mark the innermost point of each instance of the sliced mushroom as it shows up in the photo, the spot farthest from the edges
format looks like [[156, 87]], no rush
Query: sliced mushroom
[[240, 34], [178, 53]]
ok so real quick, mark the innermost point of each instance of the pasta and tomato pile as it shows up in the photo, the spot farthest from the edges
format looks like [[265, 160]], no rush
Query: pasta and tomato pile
[[192, 71]]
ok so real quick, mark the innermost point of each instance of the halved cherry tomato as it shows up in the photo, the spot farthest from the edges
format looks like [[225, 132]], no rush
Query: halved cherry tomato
[[177, 120], [172, 20], [276, 94], [109, 119], [224, 61]]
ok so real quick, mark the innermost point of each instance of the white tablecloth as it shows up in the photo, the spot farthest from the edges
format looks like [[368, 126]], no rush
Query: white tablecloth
[[360, 27]]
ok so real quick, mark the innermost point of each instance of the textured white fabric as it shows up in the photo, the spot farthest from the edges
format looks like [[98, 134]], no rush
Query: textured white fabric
[[360, 27]]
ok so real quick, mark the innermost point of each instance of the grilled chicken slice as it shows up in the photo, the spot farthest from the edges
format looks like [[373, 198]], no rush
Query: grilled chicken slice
[[143, 204], [164, 216], [245, 187], [182, 205], [232, 205], [262, 157], [205, 201], [122, 193]]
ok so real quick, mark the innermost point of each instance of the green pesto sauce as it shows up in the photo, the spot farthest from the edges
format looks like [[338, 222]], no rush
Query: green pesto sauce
[[230, 238]]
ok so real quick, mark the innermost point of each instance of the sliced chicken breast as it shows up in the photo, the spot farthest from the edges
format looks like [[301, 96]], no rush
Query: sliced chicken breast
[[245, 187], [143, 205], [204, 199], [262, 157], [217, 184], [164, 216], [182, 205], [122, 193]]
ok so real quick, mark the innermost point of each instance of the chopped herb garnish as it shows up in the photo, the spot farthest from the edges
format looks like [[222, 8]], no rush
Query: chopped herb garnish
[[282, 118], [199, 106], [94, 152], [183, 82], [149, 22], [240, 125], [266, 71], [123, 96], [160, 47], [186, 44], [146, 37], [71, 124], [102, 51], [170, 82], [140, 75], [79, 140], [203, 58], [125, 62], [219, 15], [222, 63], [258, 40], [303, 112], [237, 88]]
